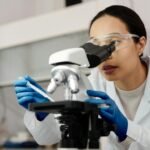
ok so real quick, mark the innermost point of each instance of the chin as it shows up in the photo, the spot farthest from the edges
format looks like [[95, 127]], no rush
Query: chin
[[111, 78]]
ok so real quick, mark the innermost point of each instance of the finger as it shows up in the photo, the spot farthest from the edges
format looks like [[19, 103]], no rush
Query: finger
[[32, 81], [28, 78], [22, 89], [99, 94], [104, 114], [110, 102], [24, 94], [21, 82], [26, 99], [95, 101], [108, 109], [32, 98]]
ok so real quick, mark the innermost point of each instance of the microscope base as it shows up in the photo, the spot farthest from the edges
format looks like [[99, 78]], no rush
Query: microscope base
[[76, 149]]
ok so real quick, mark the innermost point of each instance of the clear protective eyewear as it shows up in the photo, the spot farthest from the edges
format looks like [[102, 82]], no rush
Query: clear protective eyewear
[[120, 40]]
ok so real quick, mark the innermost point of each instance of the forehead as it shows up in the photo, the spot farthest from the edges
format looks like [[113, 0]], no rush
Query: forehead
[[107, 25]]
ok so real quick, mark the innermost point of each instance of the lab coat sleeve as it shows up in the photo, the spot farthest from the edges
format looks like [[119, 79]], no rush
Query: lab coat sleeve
[[140, 136], [44, 132]]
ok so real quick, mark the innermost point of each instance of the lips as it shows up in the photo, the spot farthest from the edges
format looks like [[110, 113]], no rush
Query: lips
[[109, 69]]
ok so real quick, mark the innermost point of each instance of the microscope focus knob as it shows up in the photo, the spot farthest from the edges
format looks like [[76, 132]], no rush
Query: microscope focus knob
[[73, 83]]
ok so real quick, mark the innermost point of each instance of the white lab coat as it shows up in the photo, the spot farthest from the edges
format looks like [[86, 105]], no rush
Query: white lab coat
[[139, 128], [47, 132]]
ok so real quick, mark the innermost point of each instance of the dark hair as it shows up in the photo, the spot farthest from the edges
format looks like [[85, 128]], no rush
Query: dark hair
[[126, 15]]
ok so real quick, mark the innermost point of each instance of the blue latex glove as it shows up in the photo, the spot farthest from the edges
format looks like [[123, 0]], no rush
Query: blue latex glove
[[26, 95], [111, 114]]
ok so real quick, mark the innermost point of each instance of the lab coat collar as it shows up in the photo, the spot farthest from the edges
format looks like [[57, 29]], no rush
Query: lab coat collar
[[146, 95], [111, 91], [144, 107]]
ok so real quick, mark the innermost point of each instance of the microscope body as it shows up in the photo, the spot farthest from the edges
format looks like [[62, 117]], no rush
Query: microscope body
[[70, 69], [80, 123]]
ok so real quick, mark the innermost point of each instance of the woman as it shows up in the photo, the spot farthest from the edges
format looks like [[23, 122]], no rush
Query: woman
[[124, 76]]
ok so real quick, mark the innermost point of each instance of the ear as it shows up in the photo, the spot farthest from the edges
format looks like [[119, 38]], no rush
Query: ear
[[141, 45]]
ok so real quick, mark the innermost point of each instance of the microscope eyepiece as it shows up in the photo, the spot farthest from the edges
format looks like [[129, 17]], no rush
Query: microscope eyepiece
[[97, 54]]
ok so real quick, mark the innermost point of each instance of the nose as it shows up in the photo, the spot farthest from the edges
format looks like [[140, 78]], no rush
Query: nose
[[110, 57]]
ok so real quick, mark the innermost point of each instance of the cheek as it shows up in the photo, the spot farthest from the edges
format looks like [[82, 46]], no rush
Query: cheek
[[127, 58], [126, 62]]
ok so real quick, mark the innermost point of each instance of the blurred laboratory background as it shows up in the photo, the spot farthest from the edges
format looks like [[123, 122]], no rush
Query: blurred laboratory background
[[31, 30]]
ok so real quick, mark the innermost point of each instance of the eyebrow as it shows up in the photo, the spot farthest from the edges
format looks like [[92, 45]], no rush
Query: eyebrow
[[108, 34], [91, 37], [117, 33]]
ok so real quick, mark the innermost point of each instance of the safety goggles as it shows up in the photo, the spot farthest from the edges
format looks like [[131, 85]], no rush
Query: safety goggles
[[120, 40]]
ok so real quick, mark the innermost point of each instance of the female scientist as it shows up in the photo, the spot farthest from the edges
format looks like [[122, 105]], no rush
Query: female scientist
[[124, 76]]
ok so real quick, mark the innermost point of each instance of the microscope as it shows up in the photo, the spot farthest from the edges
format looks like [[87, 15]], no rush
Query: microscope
[[80, 124]]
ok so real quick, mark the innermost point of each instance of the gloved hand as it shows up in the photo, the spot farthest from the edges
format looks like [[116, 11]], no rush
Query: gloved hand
[[26, 95], [111, 113]]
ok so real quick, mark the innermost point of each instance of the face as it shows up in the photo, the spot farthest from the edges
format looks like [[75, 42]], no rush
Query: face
[[124, 61]]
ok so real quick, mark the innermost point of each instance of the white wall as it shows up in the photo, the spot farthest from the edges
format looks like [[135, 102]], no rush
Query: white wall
[[13, 10]]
